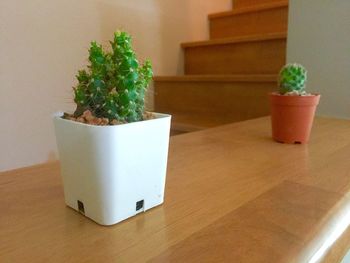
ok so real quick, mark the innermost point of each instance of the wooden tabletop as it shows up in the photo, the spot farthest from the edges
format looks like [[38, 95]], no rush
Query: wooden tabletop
[[232, 195]]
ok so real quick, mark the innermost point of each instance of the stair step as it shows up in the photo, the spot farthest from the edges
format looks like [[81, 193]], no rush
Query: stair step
[[198, 102], [268, 18], [183, 123], [217, 78], [248, 3], [258, 54]]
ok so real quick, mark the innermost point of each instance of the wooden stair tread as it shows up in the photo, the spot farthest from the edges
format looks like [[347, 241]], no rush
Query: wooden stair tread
[[251, 9], [199, 104], [190, 123], [249, 21], [238, 4], [262, 54], [218, 78], [233, 40]]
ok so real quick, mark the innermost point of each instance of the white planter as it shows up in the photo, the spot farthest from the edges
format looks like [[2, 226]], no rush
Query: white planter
[[111, 173]]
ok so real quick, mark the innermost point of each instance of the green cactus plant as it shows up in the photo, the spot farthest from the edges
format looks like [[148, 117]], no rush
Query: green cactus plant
[[114, 84], [292, 79]]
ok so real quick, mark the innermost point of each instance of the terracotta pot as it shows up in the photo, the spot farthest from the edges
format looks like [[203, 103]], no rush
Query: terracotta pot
[[292, 117]]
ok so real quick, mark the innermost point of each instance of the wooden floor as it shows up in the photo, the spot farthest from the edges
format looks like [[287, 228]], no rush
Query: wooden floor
[[232, 195]]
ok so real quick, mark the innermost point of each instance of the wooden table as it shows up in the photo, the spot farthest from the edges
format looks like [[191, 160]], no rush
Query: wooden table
[[232, 195]]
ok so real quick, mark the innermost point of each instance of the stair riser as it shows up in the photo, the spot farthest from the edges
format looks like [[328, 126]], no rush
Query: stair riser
[[245, 24], [248, 3], [228, 101], [258, 57]]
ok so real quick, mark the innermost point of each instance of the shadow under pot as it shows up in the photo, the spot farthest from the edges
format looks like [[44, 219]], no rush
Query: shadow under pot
[[292, 117]]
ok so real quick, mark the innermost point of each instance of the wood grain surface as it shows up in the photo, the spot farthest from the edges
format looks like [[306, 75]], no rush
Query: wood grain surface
[[199, 102], [237, 4], [232, 195], [261, 19], [261, 54]]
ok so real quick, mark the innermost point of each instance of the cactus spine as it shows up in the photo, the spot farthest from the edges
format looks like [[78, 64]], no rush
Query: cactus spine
[[114, 84], [292, 79]]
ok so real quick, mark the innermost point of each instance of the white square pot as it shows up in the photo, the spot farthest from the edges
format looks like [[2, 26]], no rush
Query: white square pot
[[111, 173]]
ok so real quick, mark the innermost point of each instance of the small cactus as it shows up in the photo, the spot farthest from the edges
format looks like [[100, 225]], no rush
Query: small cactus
[[114, 84], [292, 79]]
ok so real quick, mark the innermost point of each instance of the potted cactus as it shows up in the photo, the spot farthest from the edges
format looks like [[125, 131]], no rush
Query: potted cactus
[[292, 109], [113, 154]]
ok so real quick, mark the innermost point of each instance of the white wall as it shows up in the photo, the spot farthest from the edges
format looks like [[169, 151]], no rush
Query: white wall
[[319, 38], [43, 43]]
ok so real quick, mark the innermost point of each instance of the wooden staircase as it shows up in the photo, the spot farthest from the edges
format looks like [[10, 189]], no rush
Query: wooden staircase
[[228, 77]]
